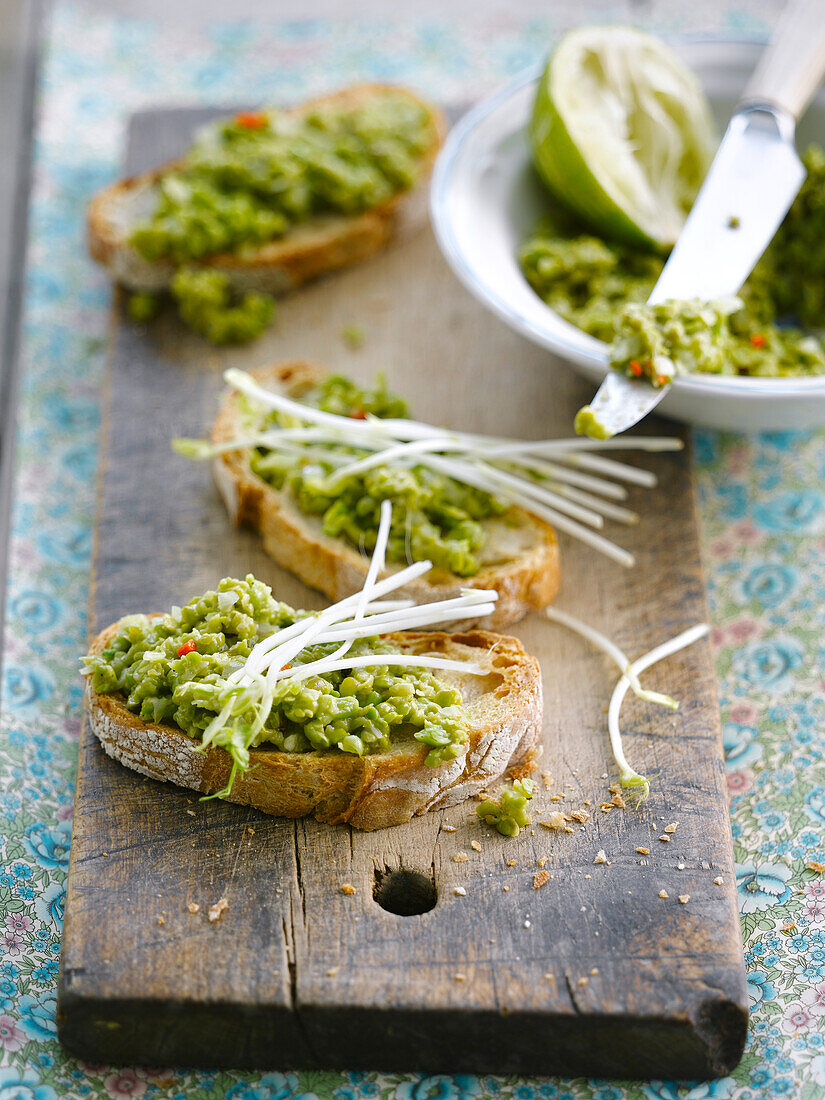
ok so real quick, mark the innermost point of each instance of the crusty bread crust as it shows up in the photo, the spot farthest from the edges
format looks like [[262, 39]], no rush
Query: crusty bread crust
[[319, 245], [504, 715], [526, 575]]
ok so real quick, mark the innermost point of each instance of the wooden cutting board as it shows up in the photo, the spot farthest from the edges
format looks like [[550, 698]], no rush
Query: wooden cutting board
[[593, 973]]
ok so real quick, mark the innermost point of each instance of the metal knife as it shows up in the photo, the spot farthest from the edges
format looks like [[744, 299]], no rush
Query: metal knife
[[753, 179]]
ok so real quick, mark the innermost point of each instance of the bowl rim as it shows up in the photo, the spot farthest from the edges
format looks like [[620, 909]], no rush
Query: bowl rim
[[578, 346]]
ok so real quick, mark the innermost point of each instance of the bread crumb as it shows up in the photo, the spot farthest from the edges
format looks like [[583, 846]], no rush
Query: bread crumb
[[461, 977], [104, 853], [215, 911], [191, 813], [548, 976], [506, 889], [555, 820], [460, 857], [347, 888], [601, 857], [811, 865], [567, 829], [587, 802], [542, 862], [557, 798], [594, 971], [193, 907], [672, 827], [540, 878], [250, 830], [580, 815], [333, 970], [664, 838], [664, 894], [511, 863], [588, 876], [474, 844], [719, 881], [617, 800], [614, 788], [680, 866], [161, 920], [448, 828], [582, 982], [643, 851], [606, 807], [547, 780], [460, 892], [684, 898]]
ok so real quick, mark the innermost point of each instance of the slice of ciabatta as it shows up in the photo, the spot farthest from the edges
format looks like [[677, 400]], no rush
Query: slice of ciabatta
[[309, 249], [520, 559], [504, 716]]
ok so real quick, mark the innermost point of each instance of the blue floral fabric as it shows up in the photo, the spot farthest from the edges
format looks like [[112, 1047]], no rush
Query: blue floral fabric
[[763, 510]]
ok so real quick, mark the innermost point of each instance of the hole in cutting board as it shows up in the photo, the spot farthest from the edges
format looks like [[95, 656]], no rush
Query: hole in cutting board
[[405, 893]]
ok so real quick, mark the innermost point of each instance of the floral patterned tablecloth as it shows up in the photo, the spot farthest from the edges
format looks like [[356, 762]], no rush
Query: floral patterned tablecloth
[[762, 507]]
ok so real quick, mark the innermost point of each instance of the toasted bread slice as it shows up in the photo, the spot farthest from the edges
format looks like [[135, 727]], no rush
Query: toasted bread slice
[[520, 559], [504, 714], [309, 249]]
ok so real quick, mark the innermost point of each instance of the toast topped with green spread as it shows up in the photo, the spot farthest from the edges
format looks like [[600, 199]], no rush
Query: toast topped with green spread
[[322, 532], [263, 201], [296, 713]]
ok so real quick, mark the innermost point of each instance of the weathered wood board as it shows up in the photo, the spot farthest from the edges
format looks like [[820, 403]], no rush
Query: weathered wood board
[[593, 973]]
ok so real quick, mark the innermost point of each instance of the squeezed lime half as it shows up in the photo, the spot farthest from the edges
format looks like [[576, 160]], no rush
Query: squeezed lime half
[[622, 133]]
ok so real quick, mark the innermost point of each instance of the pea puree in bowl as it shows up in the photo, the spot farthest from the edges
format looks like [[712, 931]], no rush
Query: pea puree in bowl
[[586, 280]]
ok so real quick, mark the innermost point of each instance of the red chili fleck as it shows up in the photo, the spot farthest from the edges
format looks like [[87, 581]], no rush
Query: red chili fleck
[[187, 647], [636, 367], [251, 120], [662, 379], [357, 414], [758, 340], [285, 667]]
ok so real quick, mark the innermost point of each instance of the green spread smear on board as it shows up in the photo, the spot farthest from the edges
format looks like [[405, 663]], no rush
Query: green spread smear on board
[[175, 669], [434, 517], [602, 287], [510, 814]]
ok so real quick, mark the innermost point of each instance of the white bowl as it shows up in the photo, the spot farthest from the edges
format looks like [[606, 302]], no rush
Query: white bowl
[[485, 199]]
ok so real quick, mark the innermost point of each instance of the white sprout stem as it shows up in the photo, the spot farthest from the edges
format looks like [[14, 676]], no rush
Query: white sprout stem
[[401, 660], [630, 777], [620, 470], [612, 511], [379, 606], [556, 473], [375, 567], [378, 558], [334, 613], [413, 619], [540, 493], [619, 658], [550, 515], [400, 452]]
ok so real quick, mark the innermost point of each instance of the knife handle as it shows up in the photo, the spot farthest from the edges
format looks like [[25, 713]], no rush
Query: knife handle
[[792, 66]]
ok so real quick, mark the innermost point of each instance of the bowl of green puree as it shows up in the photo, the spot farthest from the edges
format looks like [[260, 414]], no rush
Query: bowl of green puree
[[562, 285]]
